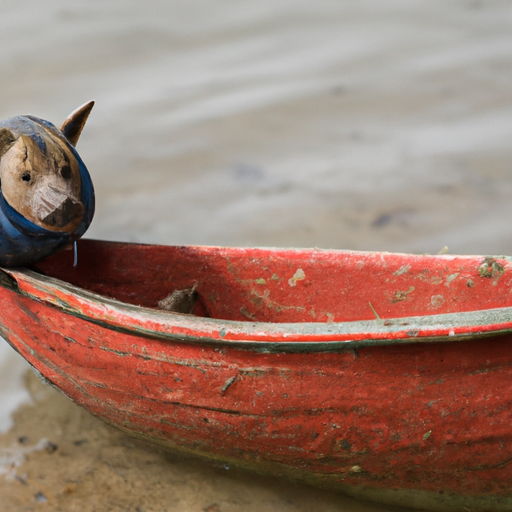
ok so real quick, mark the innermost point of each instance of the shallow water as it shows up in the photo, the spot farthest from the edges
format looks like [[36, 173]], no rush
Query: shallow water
[[356, 125]]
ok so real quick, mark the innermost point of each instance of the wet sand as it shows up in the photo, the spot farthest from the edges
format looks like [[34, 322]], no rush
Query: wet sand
[[313, 124]]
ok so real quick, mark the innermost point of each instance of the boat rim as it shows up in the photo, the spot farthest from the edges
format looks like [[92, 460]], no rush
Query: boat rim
[[260, 336]]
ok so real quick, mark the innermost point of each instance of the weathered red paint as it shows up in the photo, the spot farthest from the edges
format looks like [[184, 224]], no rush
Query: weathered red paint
[[286, 368]]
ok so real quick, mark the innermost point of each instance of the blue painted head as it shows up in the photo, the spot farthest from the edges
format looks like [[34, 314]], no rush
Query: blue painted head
[[46, 193]]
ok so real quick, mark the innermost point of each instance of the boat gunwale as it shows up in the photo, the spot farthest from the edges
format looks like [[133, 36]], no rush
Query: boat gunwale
[[259, 336]]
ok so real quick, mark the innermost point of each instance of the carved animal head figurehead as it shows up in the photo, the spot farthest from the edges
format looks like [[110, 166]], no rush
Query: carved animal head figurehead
[[41, 175]]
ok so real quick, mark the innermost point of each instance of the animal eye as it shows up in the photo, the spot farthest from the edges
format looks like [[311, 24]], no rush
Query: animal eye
[[26, 176], [66, 172]]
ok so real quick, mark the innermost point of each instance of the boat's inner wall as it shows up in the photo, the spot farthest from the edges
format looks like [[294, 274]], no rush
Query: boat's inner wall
[[269, 285]]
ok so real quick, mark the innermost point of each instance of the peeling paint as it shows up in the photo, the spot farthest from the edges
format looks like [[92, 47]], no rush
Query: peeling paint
[[298, 276], [117, 352], [402, 270], [450, 278], [436, 301], [247, 314], [402, 295]]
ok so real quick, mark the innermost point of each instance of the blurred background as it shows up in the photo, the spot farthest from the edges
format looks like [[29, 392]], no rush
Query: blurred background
[[361, 125]]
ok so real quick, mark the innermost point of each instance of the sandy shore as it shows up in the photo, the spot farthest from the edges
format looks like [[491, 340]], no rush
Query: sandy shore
[[338, 125]]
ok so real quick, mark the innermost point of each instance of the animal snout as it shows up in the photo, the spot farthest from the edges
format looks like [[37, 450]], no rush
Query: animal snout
[[68, 211]]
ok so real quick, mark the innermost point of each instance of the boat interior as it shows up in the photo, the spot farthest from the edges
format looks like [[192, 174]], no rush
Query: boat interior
[[285, 285]]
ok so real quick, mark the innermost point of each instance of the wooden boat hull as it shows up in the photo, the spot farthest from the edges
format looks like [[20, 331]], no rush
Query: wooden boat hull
[[411, 411]]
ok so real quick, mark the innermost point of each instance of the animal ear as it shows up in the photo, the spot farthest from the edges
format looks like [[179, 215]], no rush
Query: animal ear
[[73, 125], [7, 139]]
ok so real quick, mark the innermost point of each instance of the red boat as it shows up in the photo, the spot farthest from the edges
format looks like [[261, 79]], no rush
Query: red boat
[[385, 376]]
